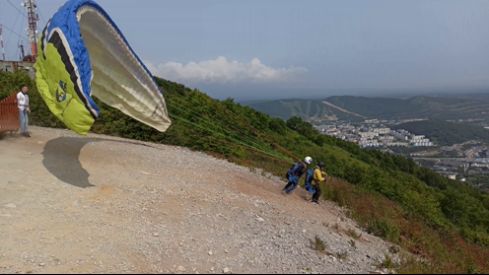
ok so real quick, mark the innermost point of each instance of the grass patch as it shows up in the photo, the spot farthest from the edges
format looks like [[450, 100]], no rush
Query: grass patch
[[342, 255], [434, 250], [388, 263], [394, 249], [352, 244], [318, 245], [354, 234], [384, 229], [337, 228]]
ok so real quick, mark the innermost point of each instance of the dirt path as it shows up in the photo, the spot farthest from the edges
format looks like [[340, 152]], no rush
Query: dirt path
[[99, 204]]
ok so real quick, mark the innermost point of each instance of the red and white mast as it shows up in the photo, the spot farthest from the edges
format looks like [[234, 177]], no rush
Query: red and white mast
[[32, 18]]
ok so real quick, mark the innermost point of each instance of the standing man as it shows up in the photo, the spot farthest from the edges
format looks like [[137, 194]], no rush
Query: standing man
[[24, 110], [319, 177], [314, 178]]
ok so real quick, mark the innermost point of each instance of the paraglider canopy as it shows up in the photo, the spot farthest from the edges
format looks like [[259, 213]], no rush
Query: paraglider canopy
[[83, 54]]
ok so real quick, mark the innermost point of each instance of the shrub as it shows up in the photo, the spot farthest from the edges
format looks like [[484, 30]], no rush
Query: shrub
[[318, 245], [384, 229]]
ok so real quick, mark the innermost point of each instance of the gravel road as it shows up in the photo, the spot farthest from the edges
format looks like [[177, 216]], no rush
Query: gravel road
[[99, 204]]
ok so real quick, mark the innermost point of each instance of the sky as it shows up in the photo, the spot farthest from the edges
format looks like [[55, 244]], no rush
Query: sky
[[265, 49]]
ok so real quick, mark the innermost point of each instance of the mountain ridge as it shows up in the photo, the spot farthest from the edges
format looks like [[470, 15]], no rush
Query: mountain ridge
[[450, 107]]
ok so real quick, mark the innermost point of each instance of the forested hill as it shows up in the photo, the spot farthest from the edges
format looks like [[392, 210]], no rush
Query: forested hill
[[390, 196], [354, 107]]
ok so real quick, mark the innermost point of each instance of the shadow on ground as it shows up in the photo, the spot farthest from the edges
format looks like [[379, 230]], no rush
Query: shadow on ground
[[62, 159]]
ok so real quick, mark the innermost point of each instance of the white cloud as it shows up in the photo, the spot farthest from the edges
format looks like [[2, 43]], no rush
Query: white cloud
[[223, 70]]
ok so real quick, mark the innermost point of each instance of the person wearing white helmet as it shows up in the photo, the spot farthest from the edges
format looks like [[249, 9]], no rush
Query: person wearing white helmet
[[295, 173]]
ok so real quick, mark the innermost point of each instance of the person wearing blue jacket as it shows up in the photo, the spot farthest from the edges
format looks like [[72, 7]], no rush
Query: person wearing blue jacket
[[295, 173]]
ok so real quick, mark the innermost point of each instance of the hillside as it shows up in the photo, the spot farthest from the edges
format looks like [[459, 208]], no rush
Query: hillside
[[163, 209], [446, 133], [376, 107], [441, 108], [387, 195]]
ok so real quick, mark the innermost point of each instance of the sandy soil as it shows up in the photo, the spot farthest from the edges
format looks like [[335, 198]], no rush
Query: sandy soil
[[100, 204]]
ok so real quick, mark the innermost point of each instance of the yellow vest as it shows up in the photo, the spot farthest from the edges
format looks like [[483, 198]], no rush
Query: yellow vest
[[319, 175]]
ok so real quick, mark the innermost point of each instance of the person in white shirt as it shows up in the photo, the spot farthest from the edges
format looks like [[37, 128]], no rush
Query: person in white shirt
[[24, 110]]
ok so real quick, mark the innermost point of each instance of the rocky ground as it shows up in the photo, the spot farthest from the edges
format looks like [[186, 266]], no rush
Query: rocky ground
[[99, 204]]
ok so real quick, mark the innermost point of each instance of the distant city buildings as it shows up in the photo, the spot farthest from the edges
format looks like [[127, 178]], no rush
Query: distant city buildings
[[374, 134], [468, 162]]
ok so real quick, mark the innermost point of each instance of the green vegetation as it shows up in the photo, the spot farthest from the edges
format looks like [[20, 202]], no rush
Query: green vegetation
[[342, 255], [353, 234], [318, 245], [10, 83], [353, 244], [388, 263], [479, 181], [446, 133], [423, 212]]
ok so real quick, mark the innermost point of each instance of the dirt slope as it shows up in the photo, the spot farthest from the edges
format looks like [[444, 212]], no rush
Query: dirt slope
[[100, 204]]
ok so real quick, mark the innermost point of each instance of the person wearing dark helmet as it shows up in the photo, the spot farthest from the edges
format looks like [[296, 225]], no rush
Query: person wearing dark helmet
[[295, 173], [319, 177]]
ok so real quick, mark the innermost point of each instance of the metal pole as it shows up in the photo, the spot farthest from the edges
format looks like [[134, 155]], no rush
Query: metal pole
[[22, 52], [2, 47]]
